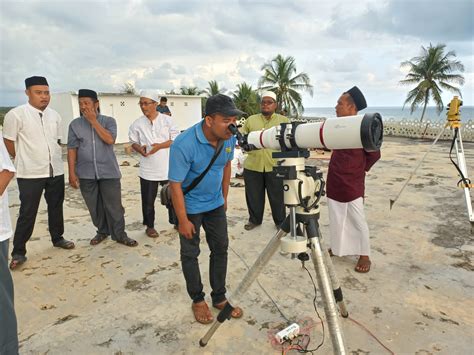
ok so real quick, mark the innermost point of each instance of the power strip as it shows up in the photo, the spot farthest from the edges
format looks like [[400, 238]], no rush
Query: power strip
[[288, 333]]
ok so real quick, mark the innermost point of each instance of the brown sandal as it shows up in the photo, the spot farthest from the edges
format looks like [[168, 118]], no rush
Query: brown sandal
[[129, 242], [152, 233], [236, 312], [202, 313], [99, 238], [363, 265]]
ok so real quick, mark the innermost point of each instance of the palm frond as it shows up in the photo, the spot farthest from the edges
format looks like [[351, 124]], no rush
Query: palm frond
[[280, 76], [433, 70]]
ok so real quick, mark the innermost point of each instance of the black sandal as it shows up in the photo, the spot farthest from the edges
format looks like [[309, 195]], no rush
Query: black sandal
[[129, 242], [17, 260], [98, 239], [64, 244]]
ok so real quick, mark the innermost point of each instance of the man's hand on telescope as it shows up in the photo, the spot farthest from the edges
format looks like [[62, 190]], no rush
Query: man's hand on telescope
[[186, 229], [247, 147]]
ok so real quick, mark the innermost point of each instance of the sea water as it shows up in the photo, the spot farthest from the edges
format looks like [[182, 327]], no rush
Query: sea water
[[395, 113]]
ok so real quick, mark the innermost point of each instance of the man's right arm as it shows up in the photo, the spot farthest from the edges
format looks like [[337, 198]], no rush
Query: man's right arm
[[5, 178], [133, 137], [139, 149], [11, 127], [178, 169], [185, 226], [7, 170], [71, 162], [10, 145]]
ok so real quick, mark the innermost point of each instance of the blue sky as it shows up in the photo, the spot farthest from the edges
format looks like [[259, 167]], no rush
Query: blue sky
[[102, 44]]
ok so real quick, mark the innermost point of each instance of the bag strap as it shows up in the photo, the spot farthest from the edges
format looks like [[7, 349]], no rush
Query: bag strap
[[197, 180]]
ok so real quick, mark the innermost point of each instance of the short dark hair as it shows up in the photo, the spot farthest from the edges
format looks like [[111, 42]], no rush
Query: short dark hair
[[163, 99], [350, 100]]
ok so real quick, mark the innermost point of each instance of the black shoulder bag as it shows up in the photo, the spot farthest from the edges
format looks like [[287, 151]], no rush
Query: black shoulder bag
[[165, 193]]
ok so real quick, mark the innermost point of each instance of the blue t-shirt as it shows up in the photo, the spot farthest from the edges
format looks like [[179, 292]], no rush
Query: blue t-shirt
[[190, 154], [163, 109]]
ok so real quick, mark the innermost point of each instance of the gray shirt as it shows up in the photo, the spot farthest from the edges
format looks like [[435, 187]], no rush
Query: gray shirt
[[95, 158]]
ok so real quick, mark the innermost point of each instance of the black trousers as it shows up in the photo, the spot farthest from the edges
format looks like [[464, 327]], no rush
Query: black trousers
[[104, 200], [30, 196], [255, 185], [215, 225], [8, 325], [149, 190]]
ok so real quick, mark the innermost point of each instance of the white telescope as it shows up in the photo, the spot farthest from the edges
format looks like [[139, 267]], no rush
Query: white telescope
[[350, 132]]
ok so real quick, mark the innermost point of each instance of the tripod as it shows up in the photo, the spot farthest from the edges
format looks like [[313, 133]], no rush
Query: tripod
[[454, 123], [303, 187]]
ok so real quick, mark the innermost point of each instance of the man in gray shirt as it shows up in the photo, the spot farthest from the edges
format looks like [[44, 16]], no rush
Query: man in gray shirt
[[93, 167]]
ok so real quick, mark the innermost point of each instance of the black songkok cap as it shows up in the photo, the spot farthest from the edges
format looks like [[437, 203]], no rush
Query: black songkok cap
[[35, 80], [358, 98], [87, 93], [222, 104]]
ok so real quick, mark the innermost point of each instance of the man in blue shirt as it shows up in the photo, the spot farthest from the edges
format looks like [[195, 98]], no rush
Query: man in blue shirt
[[163, 107], [206, 204]]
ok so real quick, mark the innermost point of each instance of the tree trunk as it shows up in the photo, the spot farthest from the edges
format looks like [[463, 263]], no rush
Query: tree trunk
[[424, 107]]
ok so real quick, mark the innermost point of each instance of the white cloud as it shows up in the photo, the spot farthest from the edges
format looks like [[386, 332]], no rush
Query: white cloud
[[168, 44]]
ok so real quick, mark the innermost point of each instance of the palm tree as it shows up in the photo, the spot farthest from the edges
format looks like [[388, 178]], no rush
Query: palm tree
[[280, 77], [191, 90], [128, 88], [432, 71], [213, 89], [246, 99]]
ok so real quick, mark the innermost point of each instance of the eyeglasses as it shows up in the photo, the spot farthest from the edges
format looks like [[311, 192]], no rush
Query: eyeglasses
[[146, 103], [267, 102]]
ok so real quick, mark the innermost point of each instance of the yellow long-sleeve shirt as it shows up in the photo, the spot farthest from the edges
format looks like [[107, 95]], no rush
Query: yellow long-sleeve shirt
[[261, 160]]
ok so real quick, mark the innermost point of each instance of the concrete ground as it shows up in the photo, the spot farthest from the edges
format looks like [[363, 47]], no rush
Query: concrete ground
[[110, 299]]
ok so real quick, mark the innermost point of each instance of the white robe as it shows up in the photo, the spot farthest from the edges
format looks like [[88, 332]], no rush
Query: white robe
[[348, 229]]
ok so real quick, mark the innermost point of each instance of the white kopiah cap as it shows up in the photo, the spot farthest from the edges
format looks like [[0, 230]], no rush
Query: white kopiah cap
[[150, 94], [269, 94]]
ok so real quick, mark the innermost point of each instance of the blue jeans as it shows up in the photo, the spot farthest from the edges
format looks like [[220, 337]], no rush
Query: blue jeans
[[215, 225]]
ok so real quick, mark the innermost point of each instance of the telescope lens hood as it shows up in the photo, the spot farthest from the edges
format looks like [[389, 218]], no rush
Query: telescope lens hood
[[371, 131]]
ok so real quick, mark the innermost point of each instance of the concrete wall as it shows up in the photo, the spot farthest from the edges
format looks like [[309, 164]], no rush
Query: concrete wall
[[186, 110], [124, 109], [66, 104]]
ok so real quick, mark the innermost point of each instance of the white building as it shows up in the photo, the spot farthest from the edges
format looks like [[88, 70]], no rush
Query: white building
[[185, 109]]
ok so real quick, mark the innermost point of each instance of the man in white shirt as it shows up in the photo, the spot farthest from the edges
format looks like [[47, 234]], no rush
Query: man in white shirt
[[31, 134], [8, 326], [151, 136]]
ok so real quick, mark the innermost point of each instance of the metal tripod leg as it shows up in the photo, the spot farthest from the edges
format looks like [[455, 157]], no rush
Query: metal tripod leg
[[336, 286], [462, 166], [324, 284], [312, 230], [248, 279]]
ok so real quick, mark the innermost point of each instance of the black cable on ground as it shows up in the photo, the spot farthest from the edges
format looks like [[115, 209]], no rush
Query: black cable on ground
[[316, 309], [299, 347], [263, 289]]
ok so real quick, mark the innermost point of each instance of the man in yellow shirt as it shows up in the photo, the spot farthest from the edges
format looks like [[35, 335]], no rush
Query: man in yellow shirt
[[258, 167]]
